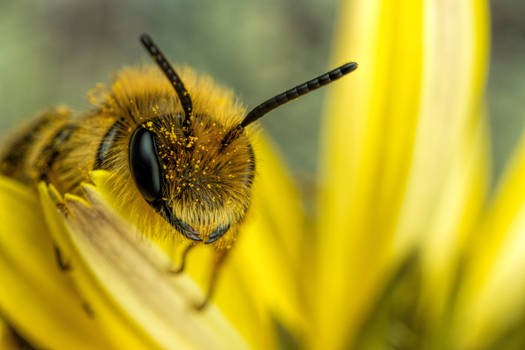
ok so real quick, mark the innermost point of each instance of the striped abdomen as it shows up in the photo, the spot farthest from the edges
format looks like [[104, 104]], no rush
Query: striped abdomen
[[58, 149], [26, 156]]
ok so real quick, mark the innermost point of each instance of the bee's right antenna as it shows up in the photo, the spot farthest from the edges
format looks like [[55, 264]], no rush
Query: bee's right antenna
[[170, 73], [287, 96]]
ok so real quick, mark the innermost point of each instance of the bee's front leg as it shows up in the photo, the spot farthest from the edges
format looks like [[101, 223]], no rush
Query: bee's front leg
[[182, 265], [62, 264], [218, 261]]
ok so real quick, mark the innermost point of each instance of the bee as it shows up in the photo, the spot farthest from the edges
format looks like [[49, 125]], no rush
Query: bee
[[177, 148]]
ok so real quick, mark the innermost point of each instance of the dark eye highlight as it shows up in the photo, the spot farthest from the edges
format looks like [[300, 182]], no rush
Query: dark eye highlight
[[144, 164]]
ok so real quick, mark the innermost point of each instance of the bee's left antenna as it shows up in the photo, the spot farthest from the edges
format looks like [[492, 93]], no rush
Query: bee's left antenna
[[172, 76]]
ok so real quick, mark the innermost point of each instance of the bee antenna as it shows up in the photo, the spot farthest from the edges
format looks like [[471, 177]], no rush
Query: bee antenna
[[297, 91], [287, 96], [172, 76]]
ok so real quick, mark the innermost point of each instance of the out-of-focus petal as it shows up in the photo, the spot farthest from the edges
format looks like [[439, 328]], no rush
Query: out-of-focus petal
[[451, 163], [405, 154], [35, 296], [125, 283], [369, 132], [491, 296]]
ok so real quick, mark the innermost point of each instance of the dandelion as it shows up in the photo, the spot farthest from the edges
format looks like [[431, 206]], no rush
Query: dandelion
[[408, 248]]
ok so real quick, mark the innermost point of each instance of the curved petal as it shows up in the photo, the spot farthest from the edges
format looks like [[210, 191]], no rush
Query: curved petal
[[491, 296], [369, 132], [125, 283], [450, 171], [36, 297], [405, 155]]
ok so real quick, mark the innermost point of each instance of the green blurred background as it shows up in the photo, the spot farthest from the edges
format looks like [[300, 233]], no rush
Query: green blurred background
[[52, 52]]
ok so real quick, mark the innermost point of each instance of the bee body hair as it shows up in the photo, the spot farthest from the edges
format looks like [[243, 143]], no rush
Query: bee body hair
[[63, 149]]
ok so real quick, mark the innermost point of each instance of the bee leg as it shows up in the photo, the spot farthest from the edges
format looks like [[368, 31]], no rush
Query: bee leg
[[62, 265], [220, 257], [180, 269], [88, 309]]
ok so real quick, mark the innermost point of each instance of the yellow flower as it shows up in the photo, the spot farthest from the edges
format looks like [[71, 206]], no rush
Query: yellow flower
[[408, 249]]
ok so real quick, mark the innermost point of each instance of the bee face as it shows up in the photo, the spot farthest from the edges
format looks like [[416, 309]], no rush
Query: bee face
[[195, 182]]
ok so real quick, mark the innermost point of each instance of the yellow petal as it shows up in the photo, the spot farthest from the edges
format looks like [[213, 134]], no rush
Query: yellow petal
[[491, 298], [369, 133], [450, 169], [405, 154], [36, 297], [124, 280]]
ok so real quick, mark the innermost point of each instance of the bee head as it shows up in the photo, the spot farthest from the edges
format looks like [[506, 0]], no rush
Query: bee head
[[201, 187]]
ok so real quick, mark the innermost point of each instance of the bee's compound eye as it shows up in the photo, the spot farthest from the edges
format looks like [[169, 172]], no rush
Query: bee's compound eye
[[144, 164]]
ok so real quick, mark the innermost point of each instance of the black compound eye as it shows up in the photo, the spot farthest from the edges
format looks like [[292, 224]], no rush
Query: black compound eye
[[144, 164]]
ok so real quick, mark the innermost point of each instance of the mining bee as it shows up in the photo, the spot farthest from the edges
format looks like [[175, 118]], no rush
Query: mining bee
[[176, 145]]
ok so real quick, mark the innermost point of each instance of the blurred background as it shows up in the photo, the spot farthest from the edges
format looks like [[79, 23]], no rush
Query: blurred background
[[53, 52]]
